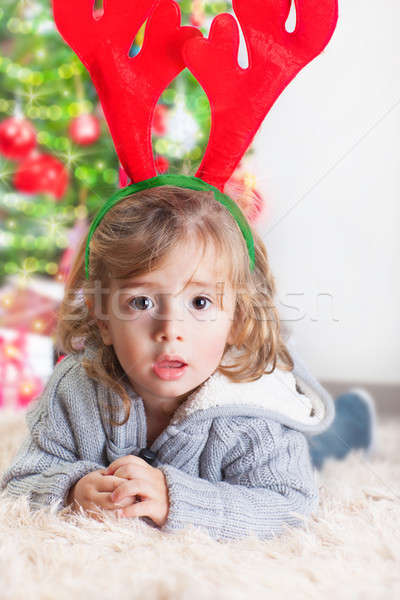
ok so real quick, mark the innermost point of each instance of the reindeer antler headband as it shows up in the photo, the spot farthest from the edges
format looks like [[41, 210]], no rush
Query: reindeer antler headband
[[129, 87]]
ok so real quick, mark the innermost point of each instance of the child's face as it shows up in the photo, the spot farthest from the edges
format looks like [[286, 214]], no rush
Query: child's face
[[159, 317]]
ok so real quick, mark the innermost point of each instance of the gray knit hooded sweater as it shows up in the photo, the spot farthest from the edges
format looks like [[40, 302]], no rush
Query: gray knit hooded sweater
[[235, 455]]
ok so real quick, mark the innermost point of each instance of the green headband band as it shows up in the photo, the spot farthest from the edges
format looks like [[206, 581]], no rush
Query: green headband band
[[182, 181]]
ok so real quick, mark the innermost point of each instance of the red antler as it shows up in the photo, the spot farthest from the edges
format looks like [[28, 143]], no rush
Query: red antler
[[241, 98], [128, 87]]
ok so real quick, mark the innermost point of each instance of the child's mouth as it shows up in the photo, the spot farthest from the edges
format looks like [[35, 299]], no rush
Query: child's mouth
[[169, 370]]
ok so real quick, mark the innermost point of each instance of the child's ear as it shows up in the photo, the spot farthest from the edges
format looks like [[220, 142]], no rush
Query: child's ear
[[104, 332]]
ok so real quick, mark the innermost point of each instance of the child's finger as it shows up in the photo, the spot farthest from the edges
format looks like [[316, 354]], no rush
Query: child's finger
[[125, 460], [103, 500], [109, 484], [131, 472], [140, 509], [132, 487]]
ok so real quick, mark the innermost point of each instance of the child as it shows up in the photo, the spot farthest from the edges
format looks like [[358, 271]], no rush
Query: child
[[178, 399]]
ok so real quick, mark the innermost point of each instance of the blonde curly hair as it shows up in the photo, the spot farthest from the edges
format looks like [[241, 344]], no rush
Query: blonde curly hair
[[134, 238]]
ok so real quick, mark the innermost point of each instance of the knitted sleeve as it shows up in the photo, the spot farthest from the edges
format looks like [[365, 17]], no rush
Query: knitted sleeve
[[46, 466], [267, 483]]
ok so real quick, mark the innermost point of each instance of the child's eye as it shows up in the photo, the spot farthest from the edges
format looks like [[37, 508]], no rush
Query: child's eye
[[139, 302], [201, 298], [142, 302]]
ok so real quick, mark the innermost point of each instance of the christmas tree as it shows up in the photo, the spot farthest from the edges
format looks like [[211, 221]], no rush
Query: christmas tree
[[58, 164]]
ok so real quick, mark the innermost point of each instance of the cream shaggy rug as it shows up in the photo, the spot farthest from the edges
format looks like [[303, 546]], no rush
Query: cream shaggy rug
[[350, 549]]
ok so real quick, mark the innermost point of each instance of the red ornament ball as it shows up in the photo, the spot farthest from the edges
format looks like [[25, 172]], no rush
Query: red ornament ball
[[41, 173], [159, 119], [28, 389], [162, 164], [84, 130], [197, 19], [17, 138], [249, 199]]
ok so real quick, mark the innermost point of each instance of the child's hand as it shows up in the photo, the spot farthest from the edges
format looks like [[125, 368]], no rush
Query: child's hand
[[145, 481], [92, 492]]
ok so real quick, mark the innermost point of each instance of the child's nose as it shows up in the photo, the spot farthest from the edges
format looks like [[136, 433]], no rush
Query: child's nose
[[169, 321], [167, 330]]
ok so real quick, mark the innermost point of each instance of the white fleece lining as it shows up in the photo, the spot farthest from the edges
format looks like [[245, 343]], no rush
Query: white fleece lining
[[275, 391]]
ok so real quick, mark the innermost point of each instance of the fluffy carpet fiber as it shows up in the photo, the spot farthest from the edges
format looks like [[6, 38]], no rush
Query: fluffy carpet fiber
[[350, 548]]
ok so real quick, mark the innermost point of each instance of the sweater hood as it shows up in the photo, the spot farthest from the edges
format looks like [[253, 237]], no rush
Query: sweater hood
[[283, 396], [292, 398]]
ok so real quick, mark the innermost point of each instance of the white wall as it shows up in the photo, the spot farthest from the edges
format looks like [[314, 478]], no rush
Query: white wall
[[327, 161]]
